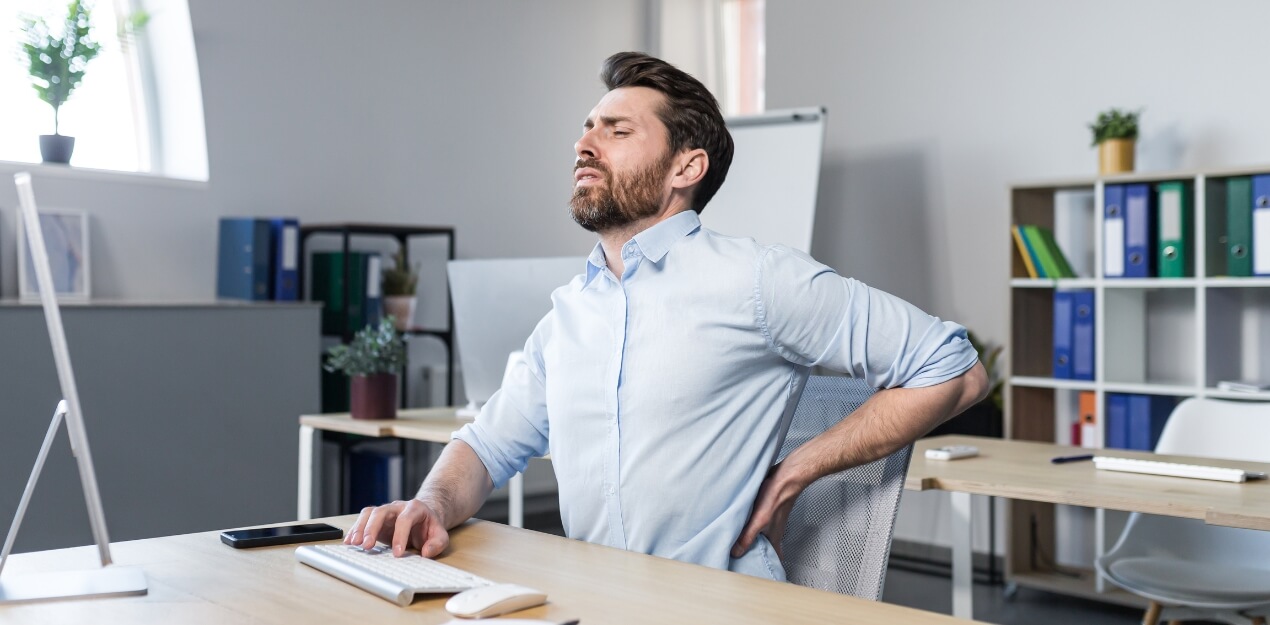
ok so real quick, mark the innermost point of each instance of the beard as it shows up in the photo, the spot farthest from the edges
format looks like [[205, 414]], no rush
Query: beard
[[622, 199]]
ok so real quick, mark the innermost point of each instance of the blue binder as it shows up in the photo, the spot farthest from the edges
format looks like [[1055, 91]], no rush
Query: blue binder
[[1063, 310], [1138, 246], [284, 235], [1261, 225], [242, 265], [1117, 421], [1147, 416], [1082, 335], [1113, 231]]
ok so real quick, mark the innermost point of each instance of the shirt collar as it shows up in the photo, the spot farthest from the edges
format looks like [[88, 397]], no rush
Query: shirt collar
[[653, 243]]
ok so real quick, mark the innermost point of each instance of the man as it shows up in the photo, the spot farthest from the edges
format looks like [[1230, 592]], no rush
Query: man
[[664, 377]]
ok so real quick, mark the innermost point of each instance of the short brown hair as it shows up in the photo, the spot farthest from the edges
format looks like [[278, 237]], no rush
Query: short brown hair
[[690, 113]]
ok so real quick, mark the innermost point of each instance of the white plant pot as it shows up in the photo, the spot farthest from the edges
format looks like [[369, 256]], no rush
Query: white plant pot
[[402, 308]]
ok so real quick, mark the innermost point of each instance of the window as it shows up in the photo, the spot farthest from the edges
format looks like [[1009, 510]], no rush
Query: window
[[721, 42], [135, 110], [105, 113]]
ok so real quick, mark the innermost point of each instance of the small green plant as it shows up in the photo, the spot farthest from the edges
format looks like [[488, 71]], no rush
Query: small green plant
[[990, 356], [373, 350], [401, 279], [1115, 124], [57, 61]]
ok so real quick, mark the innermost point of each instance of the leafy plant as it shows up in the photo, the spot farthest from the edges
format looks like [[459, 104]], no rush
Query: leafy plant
[[57, 63], [1115, 124], [990, 356], [401, 279], [373, 350]]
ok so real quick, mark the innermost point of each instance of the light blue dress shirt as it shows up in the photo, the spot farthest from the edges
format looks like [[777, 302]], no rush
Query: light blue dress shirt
[[664, 397]]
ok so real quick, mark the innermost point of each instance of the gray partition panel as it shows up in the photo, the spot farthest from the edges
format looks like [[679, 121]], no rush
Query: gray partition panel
[[191, 412]]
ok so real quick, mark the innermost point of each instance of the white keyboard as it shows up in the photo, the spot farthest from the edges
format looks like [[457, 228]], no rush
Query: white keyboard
[[379, 573], [1172, 469]]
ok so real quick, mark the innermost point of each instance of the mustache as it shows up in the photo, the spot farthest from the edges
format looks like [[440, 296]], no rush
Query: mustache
[[591, 163]]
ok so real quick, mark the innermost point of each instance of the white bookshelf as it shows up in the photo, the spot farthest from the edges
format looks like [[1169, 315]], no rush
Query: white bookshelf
[[1176, 337]]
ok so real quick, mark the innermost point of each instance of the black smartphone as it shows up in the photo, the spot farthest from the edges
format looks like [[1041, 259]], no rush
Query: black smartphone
[[280, 535]]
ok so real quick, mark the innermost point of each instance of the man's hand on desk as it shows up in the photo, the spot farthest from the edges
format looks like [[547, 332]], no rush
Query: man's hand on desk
[[403, 525]]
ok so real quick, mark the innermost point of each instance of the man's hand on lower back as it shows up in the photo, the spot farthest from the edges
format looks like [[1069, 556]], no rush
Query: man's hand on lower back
[[771, 510]]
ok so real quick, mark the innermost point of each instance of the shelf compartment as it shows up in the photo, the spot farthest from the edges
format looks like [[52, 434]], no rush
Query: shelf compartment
[[1149, 338], [1238, 335], [1032, 340]]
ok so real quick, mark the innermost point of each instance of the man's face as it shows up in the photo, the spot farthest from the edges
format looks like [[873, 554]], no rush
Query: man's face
[[623, 161]]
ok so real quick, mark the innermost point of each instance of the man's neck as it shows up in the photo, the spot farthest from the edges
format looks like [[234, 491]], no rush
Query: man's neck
[[613, 239]]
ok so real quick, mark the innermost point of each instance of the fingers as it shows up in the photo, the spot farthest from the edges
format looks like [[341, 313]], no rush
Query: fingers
[[438, 540], [354, 535], [379, 516], [759, 519], [415, 514]]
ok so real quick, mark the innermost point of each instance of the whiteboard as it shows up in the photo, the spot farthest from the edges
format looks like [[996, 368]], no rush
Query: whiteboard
[[770, 191]]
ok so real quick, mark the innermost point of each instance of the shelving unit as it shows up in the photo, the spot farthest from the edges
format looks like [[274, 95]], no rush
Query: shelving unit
[[1159, 336], [402, 234]]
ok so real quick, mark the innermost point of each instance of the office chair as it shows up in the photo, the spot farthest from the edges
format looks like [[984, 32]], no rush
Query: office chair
[[1190, 570], [838, 537]]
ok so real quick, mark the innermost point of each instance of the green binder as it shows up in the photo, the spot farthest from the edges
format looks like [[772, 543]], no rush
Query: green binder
[[1173, 221], [1216, 235], [1239, 226], [328, 287], [1056, 253], [1051, 259]]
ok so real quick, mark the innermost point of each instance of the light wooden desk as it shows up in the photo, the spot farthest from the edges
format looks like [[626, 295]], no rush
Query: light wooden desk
[[1022, 470], [195, 579]]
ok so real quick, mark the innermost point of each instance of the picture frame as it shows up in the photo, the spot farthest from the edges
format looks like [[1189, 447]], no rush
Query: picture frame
[[66, 235]]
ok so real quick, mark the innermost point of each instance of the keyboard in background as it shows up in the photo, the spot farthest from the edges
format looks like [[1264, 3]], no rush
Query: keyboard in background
[[379, 573], [1173, 469]]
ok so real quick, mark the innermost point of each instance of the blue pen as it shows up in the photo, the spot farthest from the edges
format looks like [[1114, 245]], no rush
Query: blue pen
[[1064, 459]]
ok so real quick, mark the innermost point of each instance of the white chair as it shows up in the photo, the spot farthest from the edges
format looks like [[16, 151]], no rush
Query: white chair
[[838, 535], [1190, 570]]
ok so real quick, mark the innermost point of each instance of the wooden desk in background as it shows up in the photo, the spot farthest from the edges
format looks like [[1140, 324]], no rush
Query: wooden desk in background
[[433, 425], [1022, 470], [196, 579]]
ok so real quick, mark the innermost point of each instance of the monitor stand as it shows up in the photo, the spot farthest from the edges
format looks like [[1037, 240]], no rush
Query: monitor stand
[[107, 581]]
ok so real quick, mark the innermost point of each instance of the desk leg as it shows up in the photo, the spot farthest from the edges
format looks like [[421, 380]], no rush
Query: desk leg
[[962, 570], [516, 500], [308, 450]]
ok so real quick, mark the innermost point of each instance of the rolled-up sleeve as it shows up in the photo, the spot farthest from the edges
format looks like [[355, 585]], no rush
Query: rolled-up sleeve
[[512, 426], [811, 316]]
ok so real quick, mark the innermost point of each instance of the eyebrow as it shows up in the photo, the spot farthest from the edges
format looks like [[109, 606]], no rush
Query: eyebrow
[[608, 121]]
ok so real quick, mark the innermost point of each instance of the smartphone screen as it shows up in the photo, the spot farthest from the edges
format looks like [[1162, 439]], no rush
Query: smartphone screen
[[281, 535]]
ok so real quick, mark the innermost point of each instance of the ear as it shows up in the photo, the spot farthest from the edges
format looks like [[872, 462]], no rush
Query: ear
[[690, 167]]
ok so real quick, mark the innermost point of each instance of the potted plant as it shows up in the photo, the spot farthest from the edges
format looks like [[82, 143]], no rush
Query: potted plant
[[373, 359], [399, 284], [1115, 132], [57, 62]]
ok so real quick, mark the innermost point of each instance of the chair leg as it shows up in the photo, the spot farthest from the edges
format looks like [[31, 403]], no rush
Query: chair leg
[[1258, 620], [1152, 615]]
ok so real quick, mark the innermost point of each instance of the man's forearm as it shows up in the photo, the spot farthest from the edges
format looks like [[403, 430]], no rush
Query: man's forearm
[[889, 420], [457, 485]]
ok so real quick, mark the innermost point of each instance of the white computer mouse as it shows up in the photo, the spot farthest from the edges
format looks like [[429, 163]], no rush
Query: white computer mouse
[[494, 600]]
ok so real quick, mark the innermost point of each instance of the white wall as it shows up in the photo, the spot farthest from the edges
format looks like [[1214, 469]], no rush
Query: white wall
[[935, 107]]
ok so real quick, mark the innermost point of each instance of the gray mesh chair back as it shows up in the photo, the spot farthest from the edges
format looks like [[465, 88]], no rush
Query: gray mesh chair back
[[839, 534]]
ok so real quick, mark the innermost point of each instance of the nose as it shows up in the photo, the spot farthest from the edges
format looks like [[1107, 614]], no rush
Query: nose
[[585, 147]]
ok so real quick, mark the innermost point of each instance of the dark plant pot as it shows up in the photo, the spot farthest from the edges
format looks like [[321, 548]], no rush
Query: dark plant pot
[[374, 396], [56, 148]]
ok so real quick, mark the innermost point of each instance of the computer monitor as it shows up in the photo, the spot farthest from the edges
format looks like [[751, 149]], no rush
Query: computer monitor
[[497, 303], [108, 580]]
